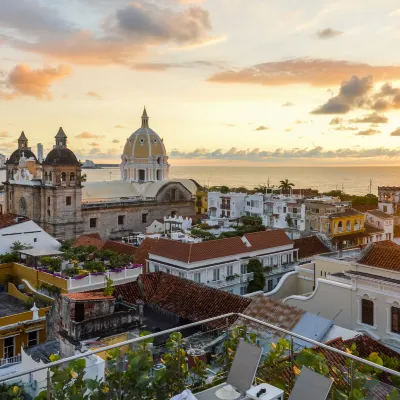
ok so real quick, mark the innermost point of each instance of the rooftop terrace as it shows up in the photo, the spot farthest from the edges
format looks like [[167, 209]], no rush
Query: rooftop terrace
[[10, 305]]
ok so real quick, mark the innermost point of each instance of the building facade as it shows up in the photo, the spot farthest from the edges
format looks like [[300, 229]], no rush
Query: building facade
[[383, 221], [222, 263], [226, 205]]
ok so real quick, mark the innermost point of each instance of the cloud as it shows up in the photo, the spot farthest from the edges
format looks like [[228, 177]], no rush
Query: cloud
[[373, 118], [88, 135], [328, 33], [288, 130], [388, 98], [315, 72], [24, 81], [93, 94], [161, 67], [115, 141], [94, 144], [191, 1], [7, 145], [352, 94], [119, 126], [287, 104], [230, 125], [80, 153], [336, 121], [4, 134], [396, 132], [132, 31], [262, 128], [368, 132], [345, 128], [296, 153]]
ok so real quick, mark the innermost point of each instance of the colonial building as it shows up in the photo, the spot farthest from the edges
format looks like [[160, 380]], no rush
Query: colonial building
[[52, 195], [226, 205], [389, 200]]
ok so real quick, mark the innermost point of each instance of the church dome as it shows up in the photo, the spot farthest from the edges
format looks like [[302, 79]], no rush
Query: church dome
[[23, 150], [144, 143], [61, 155]]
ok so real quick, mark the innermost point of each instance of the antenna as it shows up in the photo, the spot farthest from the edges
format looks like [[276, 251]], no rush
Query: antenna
[[370, 186]]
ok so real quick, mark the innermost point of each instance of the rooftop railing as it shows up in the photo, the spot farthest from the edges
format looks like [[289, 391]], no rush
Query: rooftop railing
[[200, 361]]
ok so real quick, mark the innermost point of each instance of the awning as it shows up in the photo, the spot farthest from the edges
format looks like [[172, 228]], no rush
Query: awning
[[41, 252]]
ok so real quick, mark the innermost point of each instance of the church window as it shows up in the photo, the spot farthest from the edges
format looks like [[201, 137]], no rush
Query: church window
[[50, 177], [121, 219], [48, 200], [395, 311], [142, 175], [22, 206], [63, 177], [48, 213], [46, 176], [93, 222], [348, 226], [141, 141], [173, 194], [367, 312], [71, 177], [68, 200], [154, 141], [144, 218]]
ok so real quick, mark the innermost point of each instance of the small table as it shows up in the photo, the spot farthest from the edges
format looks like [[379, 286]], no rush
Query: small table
[[272, 392]]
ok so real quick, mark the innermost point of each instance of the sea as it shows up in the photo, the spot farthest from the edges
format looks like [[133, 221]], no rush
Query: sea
[[352, 180]]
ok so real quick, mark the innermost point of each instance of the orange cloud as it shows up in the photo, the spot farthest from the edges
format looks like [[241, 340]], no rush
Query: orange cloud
[[88, 135], [315, 72], [4, 134], [24, 81], [94, 144], [119, 126], [93, 94]]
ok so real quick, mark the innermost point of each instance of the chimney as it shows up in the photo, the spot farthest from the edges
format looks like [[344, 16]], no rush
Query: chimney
[[35, 312]]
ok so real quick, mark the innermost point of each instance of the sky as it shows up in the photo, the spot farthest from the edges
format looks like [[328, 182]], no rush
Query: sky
[[225, 82]]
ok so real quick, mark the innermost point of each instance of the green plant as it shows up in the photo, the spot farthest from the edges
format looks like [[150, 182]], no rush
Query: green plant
[[258, 282], [11, 392], [289, 221], [9, 257], [232, 277], [285, 184], [45, 261], [109, 289], [55, 264], [29, 303]]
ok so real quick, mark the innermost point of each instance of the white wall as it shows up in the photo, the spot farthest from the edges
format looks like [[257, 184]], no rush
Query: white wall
[[27, 233]]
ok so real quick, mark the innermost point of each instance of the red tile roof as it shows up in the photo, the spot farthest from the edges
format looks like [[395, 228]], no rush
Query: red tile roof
[[380, 214], [193, 252], [88, 296], [370, 229], [385, 254], [95, 240], [142, 252], [187, 299], [310, 246], [7, 220]]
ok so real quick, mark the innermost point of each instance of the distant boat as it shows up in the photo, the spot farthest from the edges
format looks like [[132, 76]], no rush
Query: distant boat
[[89, 164]]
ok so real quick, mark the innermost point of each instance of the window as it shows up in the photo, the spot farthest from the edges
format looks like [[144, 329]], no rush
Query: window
[[367, 312], [34, 240], [142, 175], [395, 319], [216, 274], [348, 226], [229, 270], [33, 338], [181, 274], [144, 218], [63, 177], [156, 268], [48, 200], [284, 210], [384, 208], [243, 290], [243, 268], [121, 219], [79, 312], [270, 285], [72, 177], [173, 194], [197, 277], [48, 213], [93, 222], [9, 347], [68, 200], [22, 206], [50, 176], [168, 270]]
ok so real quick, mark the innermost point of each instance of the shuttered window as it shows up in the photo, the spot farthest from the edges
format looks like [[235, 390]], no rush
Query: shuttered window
[[395, 319], [367, 316]]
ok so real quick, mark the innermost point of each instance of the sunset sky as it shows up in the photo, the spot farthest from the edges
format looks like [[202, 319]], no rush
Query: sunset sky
[[225, 82]]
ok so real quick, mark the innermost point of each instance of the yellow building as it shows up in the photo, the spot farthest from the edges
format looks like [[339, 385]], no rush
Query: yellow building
[[201, 202]]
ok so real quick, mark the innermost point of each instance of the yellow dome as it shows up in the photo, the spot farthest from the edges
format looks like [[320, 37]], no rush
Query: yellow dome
[[144, 143]]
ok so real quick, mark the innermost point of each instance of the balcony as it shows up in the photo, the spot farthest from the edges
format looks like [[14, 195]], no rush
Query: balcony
[[268, 271], [232, 280], [138, 369]]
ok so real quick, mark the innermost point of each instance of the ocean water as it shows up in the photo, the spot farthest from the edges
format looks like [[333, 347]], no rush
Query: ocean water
[[353, 180]]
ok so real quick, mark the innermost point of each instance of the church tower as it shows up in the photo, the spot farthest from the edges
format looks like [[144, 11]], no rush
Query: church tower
[[61, 202]]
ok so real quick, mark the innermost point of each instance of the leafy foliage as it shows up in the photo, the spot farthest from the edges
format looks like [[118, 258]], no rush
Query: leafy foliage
[[258, 283]]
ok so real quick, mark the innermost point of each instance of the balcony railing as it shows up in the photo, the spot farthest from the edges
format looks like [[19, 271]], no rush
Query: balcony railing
[[233, 280], [268, 271], [147, 371], [10, 361]]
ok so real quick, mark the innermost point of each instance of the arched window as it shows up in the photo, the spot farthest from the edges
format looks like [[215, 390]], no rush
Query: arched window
[[356, 225], [367, 311], [63, 177], [50, 176], [348, 226], [395, 317], [340, 226], [22, 206], [46, 176], [72, 177]]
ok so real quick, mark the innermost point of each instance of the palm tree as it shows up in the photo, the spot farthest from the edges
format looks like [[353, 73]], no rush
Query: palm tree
[[286, 185]]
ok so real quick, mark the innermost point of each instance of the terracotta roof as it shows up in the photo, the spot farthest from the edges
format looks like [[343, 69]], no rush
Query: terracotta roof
[[187, 299], [271, 311], [95, 240], [370, 229], [385, 254], [380, 214], [10, 220], [193, 252], [88, 296], [363, 207], [350, 212], [310, 246], [142, 252]]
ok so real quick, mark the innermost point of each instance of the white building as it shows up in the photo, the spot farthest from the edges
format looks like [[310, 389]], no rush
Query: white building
[[226, 205], [40, 152], [381, 220], [359, 291], [144, 158], [19, 229], [222, 263]]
